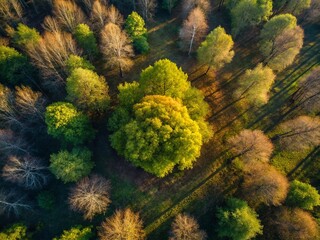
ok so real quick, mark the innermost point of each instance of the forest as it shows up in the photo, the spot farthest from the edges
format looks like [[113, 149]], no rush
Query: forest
[[159, 119]]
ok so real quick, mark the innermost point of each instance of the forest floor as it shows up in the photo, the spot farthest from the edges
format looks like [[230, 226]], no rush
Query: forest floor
[[197, 191]]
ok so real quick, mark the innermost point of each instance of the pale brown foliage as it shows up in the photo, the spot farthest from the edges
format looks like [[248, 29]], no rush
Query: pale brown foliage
[[251, 146], [99, 15], [300, 133], [116, 48], [50, 56], [68, 14], [308, 95], [294, 224], [90, 196], [26, 171], [147, 8], [185, 227], [188, 5], [193, 30], [123, 224], [11, 10], [264, 184], [50, 24], [114, 16]]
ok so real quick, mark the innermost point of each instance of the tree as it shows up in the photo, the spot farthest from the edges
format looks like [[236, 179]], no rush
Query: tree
[[264, 184], [246, 13], [14, 67], [300, 133], [75, 62], [99, 15], [116, 48], [188, 5], [13, 144], [71, 166], [123, 224], [28, 172], [164, 78], [303, 195], [313, 13], [114, 16], [308, 94], [25, 36], [68, 14], [281, 41], [76, 233], [68, 124], [294, 224], [11, 11], [91, 196], [147, 8], [51, 56], [193, 30], [296, 7], [50, 24], [169, 4], [238, 221], [86, 39], [141, 44], [87, 90], [255, 85], [216, 50], [11, 202], [251, 146], [160, 136], [185, 227], [17, 231]]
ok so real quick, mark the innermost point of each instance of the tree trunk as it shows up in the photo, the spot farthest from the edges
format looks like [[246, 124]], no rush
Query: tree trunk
[[192, 39], [208, 69]]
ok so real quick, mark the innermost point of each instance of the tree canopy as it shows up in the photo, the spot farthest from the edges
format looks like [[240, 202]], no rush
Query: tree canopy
[[76, 233], [86, 39], [24, 36]]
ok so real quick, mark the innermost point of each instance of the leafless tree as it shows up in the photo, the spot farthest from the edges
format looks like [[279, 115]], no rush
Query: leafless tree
[[116, 47], [124, 224], [50, 24], [313, 14], [28, 172], [308, 94], [99, 15], [90, 196], [188, 5], [11, 202], [11, 10], [185, 227], [114, 16], [50, 56], [193, 30], [68, 14], [264, 184], [147, 8], [10, 143], [300, 133], [251, 146], [293, 224]]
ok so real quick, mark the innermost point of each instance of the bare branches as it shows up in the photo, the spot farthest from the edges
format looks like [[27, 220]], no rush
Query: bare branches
[[27, 172], [50, 24], [114, 16], [99, 15], [11, 144], [147, 8], [12, 203], [90, 196]]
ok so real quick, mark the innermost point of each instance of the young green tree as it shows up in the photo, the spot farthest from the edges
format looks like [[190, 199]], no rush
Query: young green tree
[[216, 50], [68, 124], [255, 85], [238, 221], [24, 36], [74, 62], [86, 39], [246, 13], [87, 90], [185, 227], [123, 224], [160, 136], [76, 233], [14, 67], [71, 166], [17, 231], [303, 195]]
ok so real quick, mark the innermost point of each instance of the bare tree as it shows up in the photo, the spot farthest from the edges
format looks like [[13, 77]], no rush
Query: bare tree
[[264, 184], [147, 8], [313, 14], [99, 15], [300, 133], [251, 146], [188, 5], [12, 203], [50, 24], [116, 47], [193, 30], [90, 196], [50, 56], [68, 14], [114, 16], [293, 224], [11, 10], [10, 143], [185, 227], [124, 224], [27, 172], [308, 94]]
